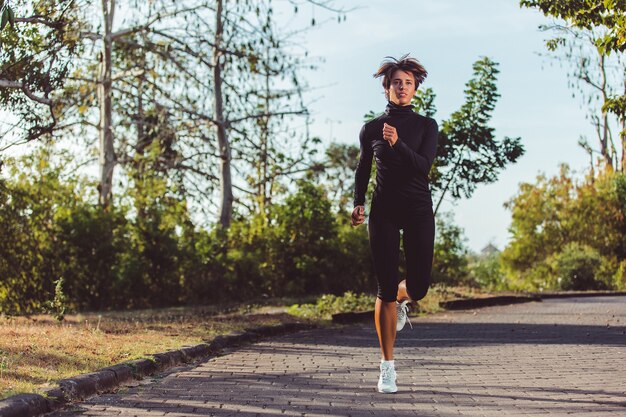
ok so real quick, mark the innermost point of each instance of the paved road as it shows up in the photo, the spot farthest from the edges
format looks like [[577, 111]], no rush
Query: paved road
[[557, 357]]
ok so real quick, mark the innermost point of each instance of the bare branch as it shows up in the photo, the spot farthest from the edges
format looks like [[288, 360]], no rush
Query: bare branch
[[266, 114], [146, 26], [37, 19], [22, 86], [133, 72]]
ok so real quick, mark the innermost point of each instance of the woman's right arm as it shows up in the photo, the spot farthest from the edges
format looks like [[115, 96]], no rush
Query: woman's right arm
[[363, 169]]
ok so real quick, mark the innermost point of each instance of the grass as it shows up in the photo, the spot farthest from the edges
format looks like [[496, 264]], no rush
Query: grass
[[327, 305], [37, 351]]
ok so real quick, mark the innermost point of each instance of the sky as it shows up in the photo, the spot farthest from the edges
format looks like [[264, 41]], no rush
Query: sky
[[448, 36]]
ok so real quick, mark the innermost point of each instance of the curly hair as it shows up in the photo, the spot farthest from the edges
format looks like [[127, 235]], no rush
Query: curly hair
[[405, 63]]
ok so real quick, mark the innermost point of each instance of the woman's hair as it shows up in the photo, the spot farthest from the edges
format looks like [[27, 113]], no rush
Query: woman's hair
[[405, 63]]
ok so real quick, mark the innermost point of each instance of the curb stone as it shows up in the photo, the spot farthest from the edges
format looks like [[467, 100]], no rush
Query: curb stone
[[346, 318], [567, 294], [469, 303], [82, 386]]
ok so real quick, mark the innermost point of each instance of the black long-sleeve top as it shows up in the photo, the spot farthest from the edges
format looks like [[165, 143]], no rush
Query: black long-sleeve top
[[402, 169]]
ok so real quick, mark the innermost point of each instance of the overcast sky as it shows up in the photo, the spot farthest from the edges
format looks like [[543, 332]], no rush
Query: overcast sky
[[447, 36]]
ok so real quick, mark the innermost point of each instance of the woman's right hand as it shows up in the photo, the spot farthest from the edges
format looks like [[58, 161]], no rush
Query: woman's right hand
[[358, 215]]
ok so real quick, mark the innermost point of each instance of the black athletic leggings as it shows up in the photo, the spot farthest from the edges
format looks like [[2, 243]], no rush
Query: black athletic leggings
[[418, 226]]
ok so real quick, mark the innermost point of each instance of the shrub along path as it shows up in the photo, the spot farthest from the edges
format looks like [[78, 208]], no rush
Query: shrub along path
[[557, 357]]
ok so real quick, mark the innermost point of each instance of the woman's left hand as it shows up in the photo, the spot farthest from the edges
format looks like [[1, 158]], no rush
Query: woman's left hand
[[390, 134]]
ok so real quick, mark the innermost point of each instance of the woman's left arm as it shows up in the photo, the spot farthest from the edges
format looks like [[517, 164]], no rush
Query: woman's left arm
[[423, 159]]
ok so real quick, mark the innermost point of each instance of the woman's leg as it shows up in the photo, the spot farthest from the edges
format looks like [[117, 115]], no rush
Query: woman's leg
[[385, 246], [419, 241], [385, 317]]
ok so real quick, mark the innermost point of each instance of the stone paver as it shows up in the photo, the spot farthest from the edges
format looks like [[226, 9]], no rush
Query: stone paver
[[560, 357]]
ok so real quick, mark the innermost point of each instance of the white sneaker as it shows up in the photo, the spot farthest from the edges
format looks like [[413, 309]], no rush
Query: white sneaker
[[403, 315], [387, 380]]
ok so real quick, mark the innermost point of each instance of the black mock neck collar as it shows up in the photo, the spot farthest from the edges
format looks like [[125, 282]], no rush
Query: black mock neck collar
[[395, 109]]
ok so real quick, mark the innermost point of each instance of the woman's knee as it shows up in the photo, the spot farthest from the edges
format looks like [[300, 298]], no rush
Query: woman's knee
[[387, 293], [417, 290]]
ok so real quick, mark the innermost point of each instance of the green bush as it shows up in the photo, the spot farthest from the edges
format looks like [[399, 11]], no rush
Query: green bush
[[145, 251], [567, 233], [330, 304], [304, 249], [450, 253], [576, 268], [486, 272]]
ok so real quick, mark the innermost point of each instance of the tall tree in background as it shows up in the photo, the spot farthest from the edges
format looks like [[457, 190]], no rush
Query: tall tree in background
[[592, 36], [270, 159], [468, 153], [257, 89], [226, 184], [338, 170], [107, 157]]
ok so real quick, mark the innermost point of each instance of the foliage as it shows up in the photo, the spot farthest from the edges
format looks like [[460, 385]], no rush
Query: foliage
[[148, 252], [304, 249], [57, 306], [450, 254], [486, 272], [30, 206], [329, 304], [468, 153], [338, 168], [588, 14], [577, 267], [35, 61], [556, 212], [424, 102]]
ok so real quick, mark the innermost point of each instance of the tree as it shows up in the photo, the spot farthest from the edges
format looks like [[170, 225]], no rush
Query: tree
[[555, 212], [338, 169], [468, 153], [450, 254], [594, 39], [262, 140], [35, 59]]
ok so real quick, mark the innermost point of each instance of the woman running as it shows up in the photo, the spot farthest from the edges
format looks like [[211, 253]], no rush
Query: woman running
[[404, 144]]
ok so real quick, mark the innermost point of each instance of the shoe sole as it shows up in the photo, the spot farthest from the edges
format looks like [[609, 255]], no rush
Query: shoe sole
[[382, 391]]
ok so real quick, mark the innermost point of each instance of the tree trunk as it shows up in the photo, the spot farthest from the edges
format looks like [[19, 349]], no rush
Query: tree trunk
[[107, 152], [604, 136], [622, 136], [622, 167], [226, 186], [265, 138]]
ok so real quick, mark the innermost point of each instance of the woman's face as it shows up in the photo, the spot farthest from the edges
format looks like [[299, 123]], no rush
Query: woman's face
[[402, 88]]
